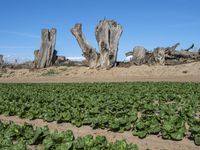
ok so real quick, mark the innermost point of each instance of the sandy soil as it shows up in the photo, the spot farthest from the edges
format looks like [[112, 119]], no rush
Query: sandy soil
[[180, 73], [151, 142]]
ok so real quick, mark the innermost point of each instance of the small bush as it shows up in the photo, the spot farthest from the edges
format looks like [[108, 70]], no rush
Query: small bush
[[49, 73]]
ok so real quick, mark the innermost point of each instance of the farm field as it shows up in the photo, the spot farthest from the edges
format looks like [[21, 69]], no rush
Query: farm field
[[27, 136], [100, 75], [170, 111]]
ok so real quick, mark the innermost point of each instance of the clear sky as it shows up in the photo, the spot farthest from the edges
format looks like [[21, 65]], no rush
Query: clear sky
[[149, 23]]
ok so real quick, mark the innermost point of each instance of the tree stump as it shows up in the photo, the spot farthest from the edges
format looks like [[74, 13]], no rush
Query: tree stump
[[92, 57], [107, 33], [36, 56], [45, 57], [159, 55], [164, 55], [60, 59], [1, 60], [139, 54]]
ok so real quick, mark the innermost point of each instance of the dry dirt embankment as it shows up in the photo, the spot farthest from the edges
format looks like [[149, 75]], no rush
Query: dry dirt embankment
[[180, 73]]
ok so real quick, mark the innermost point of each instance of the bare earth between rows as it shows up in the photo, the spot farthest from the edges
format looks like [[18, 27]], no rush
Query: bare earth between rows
[[152, 142]]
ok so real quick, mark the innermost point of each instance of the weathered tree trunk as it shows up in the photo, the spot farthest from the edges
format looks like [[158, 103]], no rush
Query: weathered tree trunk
[[166, 56], [172, 49], [92, 57], [182, 56], [108, 33], [45, 57], [139, 54], [36, 56], [1, 60], [159, 55], [60, 59]]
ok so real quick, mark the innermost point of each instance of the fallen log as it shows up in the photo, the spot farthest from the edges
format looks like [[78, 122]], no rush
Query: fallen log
[[172, 49], [191, 47], [167, 56]]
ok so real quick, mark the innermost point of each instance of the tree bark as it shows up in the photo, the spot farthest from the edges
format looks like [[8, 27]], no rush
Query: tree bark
[[107, 34], [159, 55], [167, 56], [191, 47], [1, 60], [139, 54], [45, 57], [172, 49], [36, 57], [92, 57]]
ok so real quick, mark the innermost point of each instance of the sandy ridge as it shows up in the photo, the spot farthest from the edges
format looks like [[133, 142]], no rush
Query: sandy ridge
[[63, 74]]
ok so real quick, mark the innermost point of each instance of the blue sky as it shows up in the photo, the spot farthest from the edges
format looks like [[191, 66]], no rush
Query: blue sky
[[149, 23]]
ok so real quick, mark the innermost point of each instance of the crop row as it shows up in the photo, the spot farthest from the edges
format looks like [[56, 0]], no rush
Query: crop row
[[17, 137], [169, 109]]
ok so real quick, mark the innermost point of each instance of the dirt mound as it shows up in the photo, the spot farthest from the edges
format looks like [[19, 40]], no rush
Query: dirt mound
[[179, 73]]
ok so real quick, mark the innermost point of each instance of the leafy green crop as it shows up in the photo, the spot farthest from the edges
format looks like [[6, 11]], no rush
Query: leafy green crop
[[147, 125], [143, 108], [195, 130], [173, 128], [25, 135]]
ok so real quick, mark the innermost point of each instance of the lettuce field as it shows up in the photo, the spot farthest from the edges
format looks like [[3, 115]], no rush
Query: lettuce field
[[170, 110], [26, 135]]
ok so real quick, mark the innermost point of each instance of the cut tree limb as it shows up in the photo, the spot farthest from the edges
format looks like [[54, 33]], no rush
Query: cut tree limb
[[172, 49], [191, 47]]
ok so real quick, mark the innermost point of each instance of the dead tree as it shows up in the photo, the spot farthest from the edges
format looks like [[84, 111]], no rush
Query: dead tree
[[164, 55], [159, 55], [191, 47], [139, 54], [107, 33], [92, 57], [60, 59], [182, 56], [45, 57], [1, 60], [172, 49], [36, 56]]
